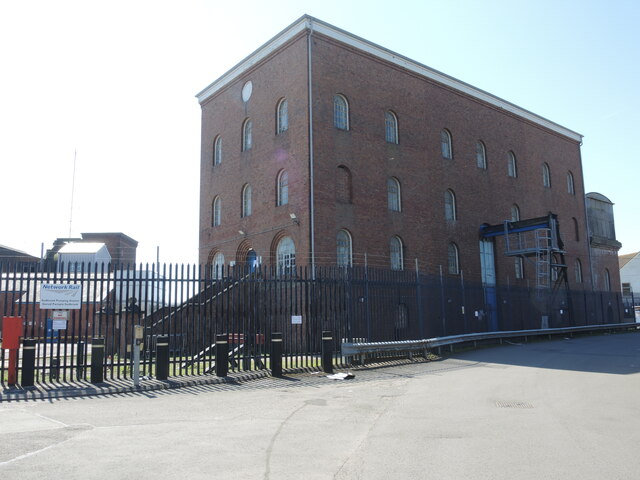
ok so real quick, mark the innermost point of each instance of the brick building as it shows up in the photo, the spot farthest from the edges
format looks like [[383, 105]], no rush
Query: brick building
[[322, 148], [121, 247]]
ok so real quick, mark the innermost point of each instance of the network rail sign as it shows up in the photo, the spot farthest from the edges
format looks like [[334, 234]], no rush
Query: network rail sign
[[60, 296]]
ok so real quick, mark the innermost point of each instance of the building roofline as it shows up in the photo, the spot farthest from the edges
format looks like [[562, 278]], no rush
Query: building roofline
[[116, 234], [309, 23], [598, 196]]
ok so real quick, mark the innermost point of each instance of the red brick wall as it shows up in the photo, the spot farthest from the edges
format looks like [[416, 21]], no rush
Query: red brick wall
[[283, 74], [423, 109]]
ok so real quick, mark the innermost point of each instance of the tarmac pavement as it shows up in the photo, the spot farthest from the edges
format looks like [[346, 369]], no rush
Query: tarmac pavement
[[565, 409]]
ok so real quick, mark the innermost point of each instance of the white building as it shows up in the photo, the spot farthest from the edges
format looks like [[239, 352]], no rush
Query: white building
[[84, 257], [630, 276]]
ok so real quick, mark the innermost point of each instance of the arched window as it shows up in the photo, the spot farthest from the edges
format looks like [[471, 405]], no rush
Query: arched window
[[578, 269], [343, 247], [215, 212], [445, 144], [393, 194], [217, 266], [282, 116], [546, 175], [571, 188], [607, 280], [286, 255], [512, 165], [515, 213], [576, 229], [340, 112], [343, 185], [481, 155], [396, 250], [450, 213], [453, 259], [246, 135], [519, 267], [391, 127], [217, 150], [246, 200], [283, 188]]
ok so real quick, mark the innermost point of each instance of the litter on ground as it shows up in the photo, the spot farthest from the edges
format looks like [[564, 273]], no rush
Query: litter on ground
[[341, 376]]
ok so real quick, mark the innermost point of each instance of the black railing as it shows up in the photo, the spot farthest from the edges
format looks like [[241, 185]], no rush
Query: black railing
[[189, 306]]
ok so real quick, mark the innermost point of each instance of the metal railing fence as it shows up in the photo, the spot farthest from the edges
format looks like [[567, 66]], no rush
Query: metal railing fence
[[192, 304]]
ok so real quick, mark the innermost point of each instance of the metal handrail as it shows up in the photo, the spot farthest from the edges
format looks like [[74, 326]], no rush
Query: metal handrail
[[351, 349]]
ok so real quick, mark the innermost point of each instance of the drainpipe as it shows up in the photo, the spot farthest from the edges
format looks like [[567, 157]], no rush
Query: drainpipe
[[311, 189], [586, 221]]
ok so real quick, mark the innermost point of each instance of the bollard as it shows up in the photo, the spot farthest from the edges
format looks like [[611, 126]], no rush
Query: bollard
[[80, 360], [97, 360], [162, 357], [54, 369], [327, 351], [276, 354], [222, 355], [28, 362]]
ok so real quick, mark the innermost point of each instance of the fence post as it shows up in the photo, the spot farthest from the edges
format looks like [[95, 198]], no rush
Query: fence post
[[276, 354], [421, 321], [28, 361], [162, 357], [97, 360], [80, 360], [327, 351], [222, 355], [464, 304], [366, 298], [442, 305]]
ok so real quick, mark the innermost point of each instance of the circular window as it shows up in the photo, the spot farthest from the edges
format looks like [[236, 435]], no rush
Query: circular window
[[246, 91]]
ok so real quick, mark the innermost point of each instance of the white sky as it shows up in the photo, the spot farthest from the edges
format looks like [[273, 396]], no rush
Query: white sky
[[116, 81]]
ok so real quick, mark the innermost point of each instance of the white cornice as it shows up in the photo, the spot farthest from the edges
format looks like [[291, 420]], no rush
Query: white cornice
[[309, 23], [272, 45]]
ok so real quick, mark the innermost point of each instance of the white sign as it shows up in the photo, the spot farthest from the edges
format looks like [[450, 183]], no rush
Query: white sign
[[296, 319], [60, 315], [60, 295], [59, 324]]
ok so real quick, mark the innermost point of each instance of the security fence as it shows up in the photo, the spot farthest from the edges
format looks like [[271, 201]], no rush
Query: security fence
[[189, 306]]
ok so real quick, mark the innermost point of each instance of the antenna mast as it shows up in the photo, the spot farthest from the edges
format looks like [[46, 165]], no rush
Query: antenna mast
[[73, 186]]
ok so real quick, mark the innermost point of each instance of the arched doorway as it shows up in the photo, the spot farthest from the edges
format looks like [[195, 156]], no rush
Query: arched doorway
[[251, 260]]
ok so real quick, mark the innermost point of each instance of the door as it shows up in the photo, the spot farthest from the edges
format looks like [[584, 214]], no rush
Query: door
[[252, 260], [488, 267]]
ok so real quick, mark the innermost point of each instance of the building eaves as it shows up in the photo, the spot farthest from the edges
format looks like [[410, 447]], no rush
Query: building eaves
[[308, 23], [624, 259]]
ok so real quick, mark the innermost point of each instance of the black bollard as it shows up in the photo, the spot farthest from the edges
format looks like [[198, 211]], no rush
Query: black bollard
[[97, 360], [327, 351], [276, 354], [28, 361], [80, 361], [247, 353], [162, 357], [222, 355]]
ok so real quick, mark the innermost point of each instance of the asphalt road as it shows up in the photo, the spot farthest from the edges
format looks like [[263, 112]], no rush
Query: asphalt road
[[560, 409]]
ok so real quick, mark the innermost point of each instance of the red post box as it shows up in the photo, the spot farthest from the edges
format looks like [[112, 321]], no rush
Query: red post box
[[11, 333]]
